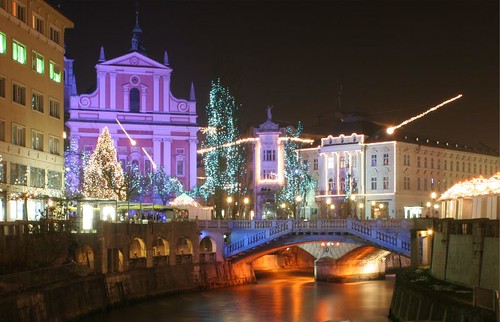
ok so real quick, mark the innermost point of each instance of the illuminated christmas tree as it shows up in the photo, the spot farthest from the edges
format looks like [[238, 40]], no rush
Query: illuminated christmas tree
[[164, 186], [103, 175], [298, 181], [224, 164]]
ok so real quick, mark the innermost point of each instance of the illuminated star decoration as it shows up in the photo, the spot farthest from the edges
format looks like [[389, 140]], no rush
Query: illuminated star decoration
[[390, 130], [134, 142]]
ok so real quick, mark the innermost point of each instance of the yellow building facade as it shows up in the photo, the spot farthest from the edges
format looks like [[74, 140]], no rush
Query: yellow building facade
[[31, 107]]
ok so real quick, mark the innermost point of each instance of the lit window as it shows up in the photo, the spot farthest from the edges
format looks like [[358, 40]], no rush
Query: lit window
[[269, 155], [3, 43], [386, 159], [18, 52], [19, 10], [54, 145], [331, 185], [374, 160], [19, 94], [38, 24], [3, 172], [54, 180], [55, 72], [330, 163], [37, 102], [18, 135], [54, 107], [37, 62], [268, 174], [342, 162], [386, 183], [37, 177], [18, 174], [37, 140], [2, 87], [374, 183], [54, 35]]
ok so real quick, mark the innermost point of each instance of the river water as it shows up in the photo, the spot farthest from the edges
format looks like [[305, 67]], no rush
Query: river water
[[281, 298]]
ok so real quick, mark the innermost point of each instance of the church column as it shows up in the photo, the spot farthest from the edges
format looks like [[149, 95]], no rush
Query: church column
[[167, 156], [112, 97], [126, 99], [156, 93], [166, 93], [102, 90], [157, 152], [192, 162], [143, 99]]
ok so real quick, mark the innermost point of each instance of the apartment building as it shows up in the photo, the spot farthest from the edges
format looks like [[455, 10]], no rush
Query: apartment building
[[32, 110]]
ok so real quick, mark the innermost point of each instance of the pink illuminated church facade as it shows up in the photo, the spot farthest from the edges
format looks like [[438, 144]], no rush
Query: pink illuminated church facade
[[149, 125]]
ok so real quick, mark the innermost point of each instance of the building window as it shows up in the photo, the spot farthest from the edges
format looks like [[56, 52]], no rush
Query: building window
[[342, 185], [54, 35], [19, 94], [432, 163], [268, 174], [179, 167], [19, 11], [438, 164], [445, 165], [54, 145], [342, 162], [37, 102], [406, 160], [147, 166], [418, 184], [55, 72], [269, 155], [37, 62], [37, 140], [18, 52], [18, 173], [3, 171], [331, 185], [134, 97], [385, 183], [463, 166], [2, 130], [425, 184], [3, 43], [406, 181], [54, 109], [37, 177], [179, 151], [18, 135], [374, 160], [457, 166], [418, 162], [315, 164], [38, 24], [330, 163], [386, 159], [425, 162], [54, 180], [374, 183], [2, 86]]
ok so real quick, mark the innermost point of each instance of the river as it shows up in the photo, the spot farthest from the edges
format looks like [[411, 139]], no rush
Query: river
[[284, 298]]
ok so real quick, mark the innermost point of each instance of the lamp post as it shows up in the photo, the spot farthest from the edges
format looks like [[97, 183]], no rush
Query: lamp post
[[428, 204], [328, 204], [361, 210], [229, 201], [332, 207], [298, 199], [245, 202], [434, 205]]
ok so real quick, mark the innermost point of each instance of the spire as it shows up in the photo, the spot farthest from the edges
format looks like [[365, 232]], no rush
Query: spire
[[192, 96], [101, 55], [165, 58], [136, 41]]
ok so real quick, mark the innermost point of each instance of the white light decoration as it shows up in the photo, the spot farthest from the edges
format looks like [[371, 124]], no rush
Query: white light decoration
[[392, 129], [133, 142], [475, 187], [108, 213]]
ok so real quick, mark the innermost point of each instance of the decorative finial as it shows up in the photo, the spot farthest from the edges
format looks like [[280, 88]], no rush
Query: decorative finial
[[136, 42], [101, 55], [165, 58], [192, 96]]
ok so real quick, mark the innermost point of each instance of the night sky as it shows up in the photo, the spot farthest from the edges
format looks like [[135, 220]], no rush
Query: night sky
[[392, 59]]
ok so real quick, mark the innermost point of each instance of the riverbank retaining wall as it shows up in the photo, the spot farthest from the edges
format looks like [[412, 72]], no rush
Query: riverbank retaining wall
[[73, 298]]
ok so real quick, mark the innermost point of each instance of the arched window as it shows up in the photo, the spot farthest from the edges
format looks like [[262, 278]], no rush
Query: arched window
[[134, 100], [331, 185]]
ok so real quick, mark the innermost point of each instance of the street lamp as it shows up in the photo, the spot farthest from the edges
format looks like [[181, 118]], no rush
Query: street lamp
[[229, 201], [328, 203], [332, 207], [245, 201], [434, 205], [428, 204]]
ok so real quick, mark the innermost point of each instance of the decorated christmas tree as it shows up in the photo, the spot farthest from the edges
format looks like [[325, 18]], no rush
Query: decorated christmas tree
[[103, 175], [223, 164], [164, 186]]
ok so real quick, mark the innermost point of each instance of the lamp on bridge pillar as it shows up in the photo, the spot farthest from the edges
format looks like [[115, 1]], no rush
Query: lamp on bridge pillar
[[428, 204], [298, 199], [229, 202], [434, 204], [332, 207], [353, 206], [328, 204]]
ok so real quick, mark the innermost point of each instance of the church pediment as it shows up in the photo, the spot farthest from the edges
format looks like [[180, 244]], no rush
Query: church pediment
[[133, 59]]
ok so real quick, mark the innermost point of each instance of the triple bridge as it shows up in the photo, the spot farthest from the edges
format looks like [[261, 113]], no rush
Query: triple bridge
[[249, 239]]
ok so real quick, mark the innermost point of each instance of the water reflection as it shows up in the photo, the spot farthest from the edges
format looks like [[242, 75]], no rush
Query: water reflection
[[287, 299]]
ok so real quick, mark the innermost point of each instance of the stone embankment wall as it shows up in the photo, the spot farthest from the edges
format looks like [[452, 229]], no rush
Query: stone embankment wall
[[70, 299]]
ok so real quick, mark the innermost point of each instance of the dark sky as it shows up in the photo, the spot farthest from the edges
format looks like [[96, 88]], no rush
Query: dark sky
[[394, 59]]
